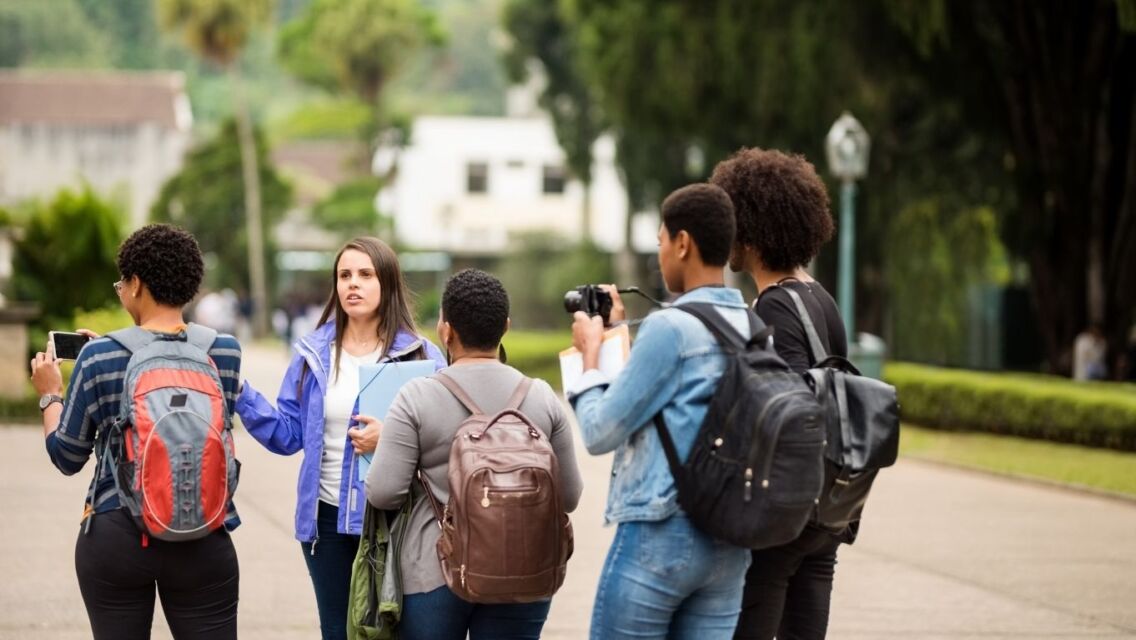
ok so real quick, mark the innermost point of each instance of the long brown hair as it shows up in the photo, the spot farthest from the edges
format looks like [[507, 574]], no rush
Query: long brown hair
[[395, 306], [395, 303]]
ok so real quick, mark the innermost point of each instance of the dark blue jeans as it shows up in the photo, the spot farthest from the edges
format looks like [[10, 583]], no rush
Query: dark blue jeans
[[329, 561], [440, 615]]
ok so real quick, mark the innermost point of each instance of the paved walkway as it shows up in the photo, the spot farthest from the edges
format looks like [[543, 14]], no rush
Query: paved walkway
[[943, 554]]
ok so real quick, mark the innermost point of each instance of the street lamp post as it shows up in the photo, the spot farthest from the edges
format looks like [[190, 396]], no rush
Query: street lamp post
[[846, 147]]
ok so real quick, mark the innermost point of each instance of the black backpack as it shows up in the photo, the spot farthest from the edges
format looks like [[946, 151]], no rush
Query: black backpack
[[862, 424], [755, 470]]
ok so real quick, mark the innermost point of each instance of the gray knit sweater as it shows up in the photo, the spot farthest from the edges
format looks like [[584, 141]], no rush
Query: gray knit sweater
[[418, 431]]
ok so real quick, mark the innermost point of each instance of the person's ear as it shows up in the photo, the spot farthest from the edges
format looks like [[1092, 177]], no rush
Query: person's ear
[[452, 336], [682, 244], [508, 325]]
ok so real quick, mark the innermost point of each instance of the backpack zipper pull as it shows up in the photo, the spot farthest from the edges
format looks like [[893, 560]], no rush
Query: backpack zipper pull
[[463, 576], [485, 498], [749, 483]]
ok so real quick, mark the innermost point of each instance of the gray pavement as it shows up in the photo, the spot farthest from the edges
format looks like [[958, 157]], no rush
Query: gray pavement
[[942, 553]]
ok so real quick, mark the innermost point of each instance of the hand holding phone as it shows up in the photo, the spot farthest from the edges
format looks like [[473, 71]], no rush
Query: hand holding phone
[[66, 345]]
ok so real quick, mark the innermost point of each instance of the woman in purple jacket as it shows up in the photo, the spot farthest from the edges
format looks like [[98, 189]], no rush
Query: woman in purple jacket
[[367, 319]]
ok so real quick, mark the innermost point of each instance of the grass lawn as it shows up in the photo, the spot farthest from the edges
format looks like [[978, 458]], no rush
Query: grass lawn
[[1112, 471]]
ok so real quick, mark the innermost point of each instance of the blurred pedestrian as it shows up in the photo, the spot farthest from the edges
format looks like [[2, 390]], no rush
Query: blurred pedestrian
[[1090, 352]]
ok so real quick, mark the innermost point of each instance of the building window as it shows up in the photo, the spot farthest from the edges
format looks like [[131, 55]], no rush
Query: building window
[[477, 177], [554, 177]]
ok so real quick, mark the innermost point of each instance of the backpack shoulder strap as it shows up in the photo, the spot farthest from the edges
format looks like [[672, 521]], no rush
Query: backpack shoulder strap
[[459, 393], [722, 330], [817, 348], [200, 336], [519, 394], [132, 338], [439, 514]]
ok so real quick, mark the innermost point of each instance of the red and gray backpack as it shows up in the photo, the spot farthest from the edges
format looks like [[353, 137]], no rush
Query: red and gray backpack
[[171, 448]]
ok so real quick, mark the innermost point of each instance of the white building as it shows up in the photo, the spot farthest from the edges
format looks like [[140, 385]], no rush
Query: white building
[[467, 185], [123, 133]]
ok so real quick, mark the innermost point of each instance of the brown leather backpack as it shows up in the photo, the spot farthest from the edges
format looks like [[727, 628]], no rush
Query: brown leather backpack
[[505, 537]]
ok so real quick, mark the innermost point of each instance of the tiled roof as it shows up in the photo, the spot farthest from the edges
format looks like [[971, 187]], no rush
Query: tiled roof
[[94, 98]]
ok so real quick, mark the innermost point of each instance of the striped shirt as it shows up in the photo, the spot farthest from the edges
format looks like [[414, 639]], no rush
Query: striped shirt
[[92, 405]]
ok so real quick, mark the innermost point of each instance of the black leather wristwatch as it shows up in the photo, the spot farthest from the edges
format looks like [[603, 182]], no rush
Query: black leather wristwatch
[[46, 399]]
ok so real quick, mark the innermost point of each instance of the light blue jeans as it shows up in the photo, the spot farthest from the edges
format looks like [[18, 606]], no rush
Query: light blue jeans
[[668, 580]]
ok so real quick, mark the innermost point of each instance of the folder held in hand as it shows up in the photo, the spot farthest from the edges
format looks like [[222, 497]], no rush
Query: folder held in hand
[[614, 351], [378, 385]]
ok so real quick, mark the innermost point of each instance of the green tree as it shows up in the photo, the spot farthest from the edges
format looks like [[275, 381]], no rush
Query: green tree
[[540, 270], [685, 85], [943, 255], [463, 74], [65, 259], [355, 46], [218, 30], [55, 34], [206, 198], [541, 34], [131, 28], [350, 209], [1054, 83]]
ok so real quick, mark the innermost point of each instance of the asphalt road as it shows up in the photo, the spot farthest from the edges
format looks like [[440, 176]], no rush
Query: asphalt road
[[942, 553]]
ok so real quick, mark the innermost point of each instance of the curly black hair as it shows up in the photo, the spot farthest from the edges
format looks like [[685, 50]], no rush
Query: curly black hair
[[166, 259], [705, 212], [477, 307], [780, 203]]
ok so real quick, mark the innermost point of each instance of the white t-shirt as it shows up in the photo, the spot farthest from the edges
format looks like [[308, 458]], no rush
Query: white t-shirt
[[1089, 354], [342, 391]]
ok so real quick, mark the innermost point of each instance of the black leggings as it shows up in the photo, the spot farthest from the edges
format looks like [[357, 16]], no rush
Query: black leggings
[[788, 589], [197, 581]]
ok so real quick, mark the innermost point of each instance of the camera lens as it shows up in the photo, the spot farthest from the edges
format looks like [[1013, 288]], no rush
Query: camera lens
[[572, 301]]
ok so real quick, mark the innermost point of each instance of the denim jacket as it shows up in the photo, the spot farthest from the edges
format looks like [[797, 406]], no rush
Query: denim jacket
[[296, 423], [674, 366]]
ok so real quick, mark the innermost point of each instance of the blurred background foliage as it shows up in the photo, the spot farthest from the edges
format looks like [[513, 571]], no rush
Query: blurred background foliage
[[65, 258], [538, 273], [1003, 150], [207, 198]]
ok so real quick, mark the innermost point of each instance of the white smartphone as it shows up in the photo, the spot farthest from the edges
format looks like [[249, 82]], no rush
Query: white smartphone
[[66, 345]]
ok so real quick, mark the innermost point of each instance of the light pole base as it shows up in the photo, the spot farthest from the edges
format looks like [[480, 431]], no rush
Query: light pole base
[[868, 353]]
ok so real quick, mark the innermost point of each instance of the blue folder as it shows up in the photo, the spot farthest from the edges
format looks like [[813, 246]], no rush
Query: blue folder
[[378, 385]]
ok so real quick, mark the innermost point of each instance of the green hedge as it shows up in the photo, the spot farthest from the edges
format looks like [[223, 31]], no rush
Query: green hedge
[[537, 353], [25, 409], [1026, 405]]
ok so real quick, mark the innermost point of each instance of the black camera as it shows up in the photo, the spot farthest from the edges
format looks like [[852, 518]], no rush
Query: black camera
[[590, 299]]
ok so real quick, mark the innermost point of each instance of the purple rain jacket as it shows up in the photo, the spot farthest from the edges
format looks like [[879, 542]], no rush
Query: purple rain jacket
[[296, 423]]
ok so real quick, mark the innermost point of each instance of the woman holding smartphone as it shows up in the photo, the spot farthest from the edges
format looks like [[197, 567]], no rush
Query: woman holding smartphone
[[367, 319], [118, 566]]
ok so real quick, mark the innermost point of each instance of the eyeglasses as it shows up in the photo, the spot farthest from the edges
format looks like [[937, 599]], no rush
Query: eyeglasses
[[118, 285]]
